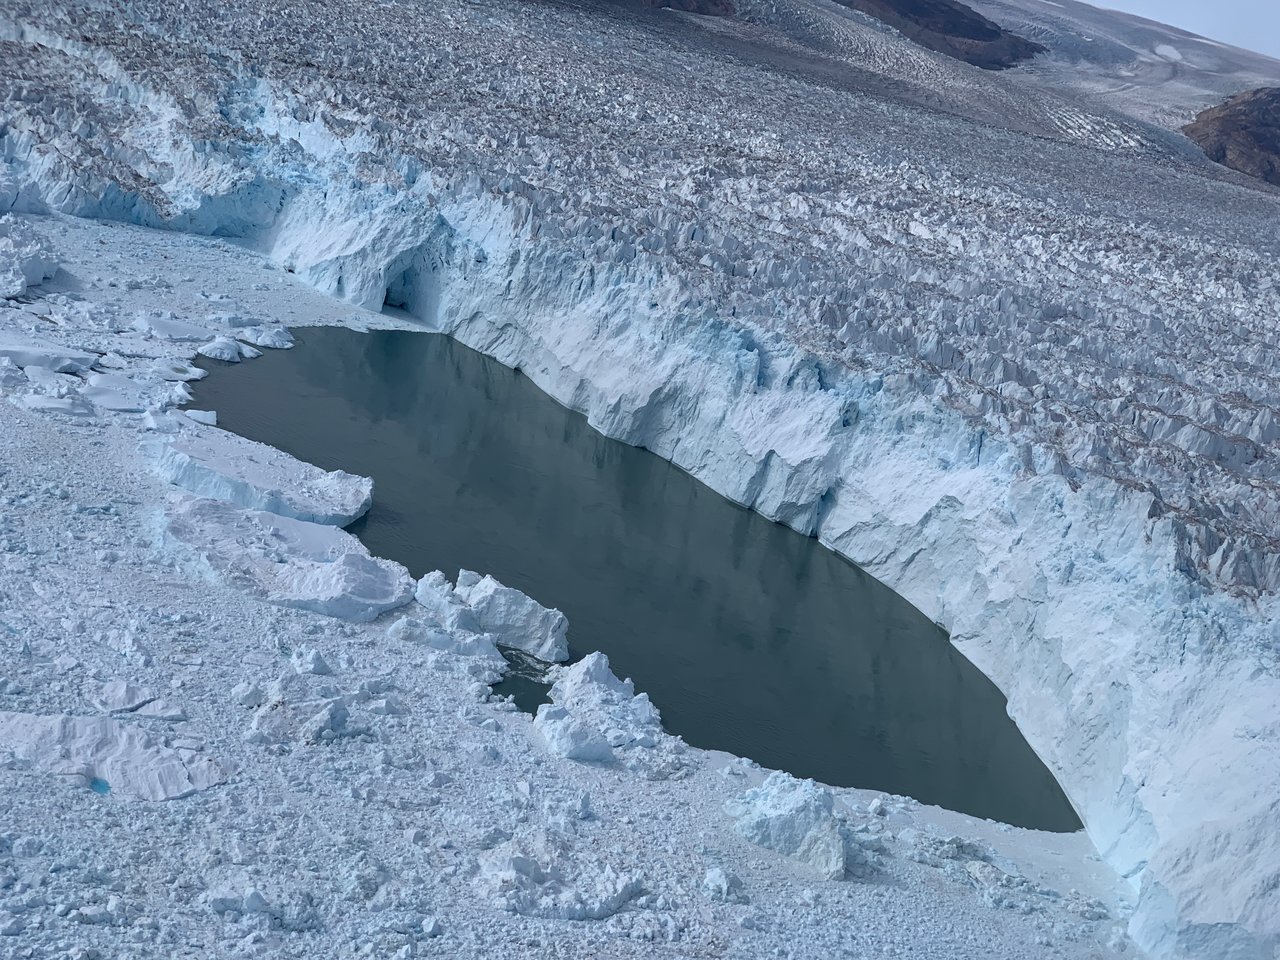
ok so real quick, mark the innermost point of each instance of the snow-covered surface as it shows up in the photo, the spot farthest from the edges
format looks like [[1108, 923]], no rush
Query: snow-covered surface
[[1007, 341], [189, 766], [222, 466]]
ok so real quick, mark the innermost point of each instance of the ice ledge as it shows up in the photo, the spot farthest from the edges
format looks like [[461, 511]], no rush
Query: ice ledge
[[222, 466]]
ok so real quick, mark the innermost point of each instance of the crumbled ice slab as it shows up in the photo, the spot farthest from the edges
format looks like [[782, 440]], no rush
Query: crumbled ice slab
[[514, 618], [219, 465], [271, 337], [111, 391], [589, 691], [565, 736], [47, 356], [795, 818], [170, 328], [26, 258], [122, 756], [536, 876], [289, 562]]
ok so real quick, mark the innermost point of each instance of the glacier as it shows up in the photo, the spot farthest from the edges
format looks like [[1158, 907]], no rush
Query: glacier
[[1040, 407]]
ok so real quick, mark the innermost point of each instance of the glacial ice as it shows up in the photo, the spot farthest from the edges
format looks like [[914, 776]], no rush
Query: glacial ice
[[443, 605], [596, 696], [566, 736], [26, 259], [513, 618], [1038, 407], [100, 748], [219, 465], [288, 562], [393, 800], [795, 818]]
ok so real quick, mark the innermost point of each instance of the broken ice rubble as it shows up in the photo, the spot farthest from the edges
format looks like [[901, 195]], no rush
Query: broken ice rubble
[[288, 562]]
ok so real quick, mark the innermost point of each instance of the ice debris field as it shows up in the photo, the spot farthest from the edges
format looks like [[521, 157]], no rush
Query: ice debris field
[[228, 730], [1006, 341]]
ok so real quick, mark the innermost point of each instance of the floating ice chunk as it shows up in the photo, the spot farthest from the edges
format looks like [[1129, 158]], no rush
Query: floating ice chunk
[[166, 327], [443, 605], [207, 417], [226, 349], [567, 737], [101, 748], [515, 619], [288, 562], [179, 370], [222, 466], [795, 818], [274, 338]]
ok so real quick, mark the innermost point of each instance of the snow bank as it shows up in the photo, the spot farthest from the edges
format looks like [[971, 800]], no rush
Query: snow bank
[[288, 562], [122, 756], [219, 465]]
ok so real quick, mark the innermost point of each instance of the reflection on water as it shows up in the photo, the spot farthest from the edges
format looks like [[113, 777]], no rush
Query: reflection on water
[[747, 636]]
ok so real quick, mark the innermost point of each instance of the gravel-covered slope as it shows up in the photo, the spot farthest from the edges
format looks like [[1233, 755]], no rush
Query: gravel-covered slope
[[1006, 342]]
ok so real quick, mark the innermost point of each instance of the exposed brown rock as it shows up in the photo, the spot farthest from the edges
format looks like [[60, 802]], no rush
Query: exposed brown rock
[[951, 28], [1243, 133]]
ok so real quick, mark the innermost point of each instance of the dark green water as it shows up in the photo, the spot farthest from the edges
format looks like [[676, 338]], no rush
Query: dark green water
[[747, 636]]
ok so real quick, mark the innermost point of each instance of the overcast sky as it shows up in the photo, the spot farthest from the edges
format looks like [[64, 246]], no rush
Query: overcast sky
[[1252, 24]]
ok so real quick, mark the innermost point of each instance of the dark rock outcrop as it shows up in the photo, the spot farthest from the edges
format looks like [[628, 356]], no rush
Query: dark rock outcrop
[[1243, 133], [953, 29]]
